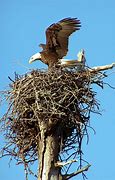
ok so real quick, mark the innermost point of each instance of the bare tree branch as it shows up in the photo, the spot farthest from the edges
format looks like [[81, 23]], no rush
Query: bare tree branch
[[102, 68], [60, 164], [66, 177]]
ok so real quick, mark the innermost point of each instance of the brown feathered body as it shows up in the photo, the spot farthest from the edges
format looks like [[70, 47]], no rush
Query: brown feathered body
[[57, 40]]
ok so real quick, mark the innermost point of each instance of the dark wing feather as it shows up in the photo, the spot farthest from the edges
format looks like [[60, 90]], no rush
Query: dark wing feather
[[57, 35]]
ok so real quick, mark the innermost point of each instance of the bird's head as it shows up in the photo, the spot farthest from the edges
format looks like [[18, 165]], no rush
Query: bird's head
[[35, 57]]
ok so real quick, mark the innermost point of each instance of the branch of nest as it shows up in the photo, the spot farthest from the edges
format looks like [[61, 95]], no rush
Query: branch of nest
[[102, 68]]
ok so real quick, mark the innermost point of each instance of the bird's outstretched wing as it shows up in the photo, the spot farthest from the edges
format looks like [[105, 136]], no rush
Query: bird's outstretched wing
[[57, 35]]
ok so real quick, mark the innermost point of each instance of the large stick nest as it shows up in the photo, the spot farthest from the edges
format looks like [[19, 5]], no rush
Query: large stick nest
[[61, 98]]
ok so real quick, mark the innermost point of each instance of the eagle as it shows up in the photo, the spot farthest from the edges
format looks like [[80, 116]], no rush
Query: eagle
[[57, 39]]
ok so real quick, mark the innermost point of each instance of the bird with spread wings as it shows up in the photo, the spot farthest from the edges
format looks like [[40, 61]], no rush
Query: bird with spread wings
[[57, 38]]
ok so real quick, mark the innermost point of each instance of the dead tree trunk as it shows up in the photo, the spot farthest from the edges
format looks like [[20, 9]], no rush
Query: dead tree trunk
[[48, 151]]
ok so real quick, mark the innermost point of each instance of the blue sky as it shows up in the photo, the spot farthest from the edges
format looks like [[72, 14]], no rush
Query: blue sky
[[22, 29]]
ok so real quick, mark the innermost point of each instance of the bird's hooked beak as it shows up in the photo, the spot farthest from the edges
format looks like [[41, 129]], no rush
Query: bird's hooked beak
[[35, 57]]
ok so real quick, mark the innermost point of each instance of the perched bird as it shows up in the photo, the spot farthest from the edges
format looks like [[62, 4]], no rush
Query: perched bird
[[57, 36]]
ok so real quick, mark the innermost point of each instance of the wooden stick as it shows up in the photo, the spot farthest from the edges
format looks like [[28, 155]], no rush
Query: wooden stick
[[102, 68], [60, 164], [66, 177]]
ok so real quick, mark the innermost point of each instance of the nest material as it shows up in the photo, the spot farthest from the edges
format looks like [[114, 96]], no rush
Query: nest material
[[61, 98]]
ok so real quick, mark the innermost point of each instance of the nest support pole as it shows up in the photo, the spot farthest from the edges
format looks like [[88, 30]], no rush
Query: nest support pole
[[48, 151]]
